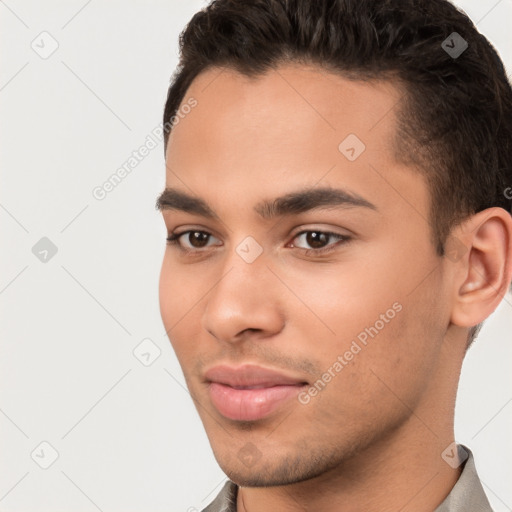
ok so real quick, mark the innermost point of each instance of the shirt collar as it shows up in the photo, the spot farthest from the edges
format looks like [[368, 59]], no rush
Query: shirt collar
[[467, 493]]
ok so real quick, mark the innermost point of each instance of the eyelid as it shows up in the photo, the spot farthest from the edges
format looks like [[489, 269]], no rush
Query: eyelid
[[321, 229]]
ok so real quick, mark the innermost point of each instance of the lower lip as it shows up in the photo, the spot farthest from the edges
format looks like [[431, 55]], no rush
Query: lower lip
[[250, 404]]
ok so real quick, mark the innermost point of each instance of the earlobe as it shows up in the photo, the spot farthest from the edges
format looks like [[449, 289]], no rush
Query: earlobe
[[484, 272]]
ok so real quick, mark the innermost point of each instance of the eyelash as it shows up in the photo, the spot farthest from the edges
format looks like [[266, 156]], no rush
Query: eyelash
[[173, 240]]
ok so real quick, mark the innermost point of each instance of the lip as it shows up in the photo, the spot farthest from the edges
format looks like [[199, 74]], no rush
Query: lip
[[250, 392]]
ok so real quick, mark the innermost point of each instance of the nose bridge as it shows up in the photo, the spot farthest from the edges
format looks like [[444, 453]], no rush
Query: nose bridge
[[244, 270], [242, 298]]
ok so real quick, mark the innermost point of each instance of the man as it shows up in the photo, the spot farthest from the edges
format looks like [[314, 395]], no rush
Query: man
[[338, 207]]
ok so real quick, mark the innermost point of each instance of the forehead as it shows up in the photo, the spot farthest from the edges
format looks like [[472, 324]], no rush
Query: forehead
[[317, 101], [291, 125]]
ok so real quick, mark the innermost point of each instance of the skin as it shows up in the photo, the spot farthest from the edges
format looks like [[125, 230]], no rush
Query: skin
[[383, 421]]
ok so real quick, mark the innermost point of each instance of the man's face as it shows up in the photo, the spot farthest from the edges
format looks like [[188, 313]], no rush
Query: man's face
[[352, 337]]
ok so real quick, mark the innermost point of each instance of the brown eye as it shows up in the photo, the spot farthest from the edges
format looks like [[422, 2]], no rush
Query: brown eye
[[318, 241], [197, 239], [190, 240]]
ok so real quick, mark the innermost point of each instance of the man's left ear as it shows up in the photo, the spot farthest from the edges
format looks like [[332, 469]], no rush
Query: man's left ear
[[480, 249]]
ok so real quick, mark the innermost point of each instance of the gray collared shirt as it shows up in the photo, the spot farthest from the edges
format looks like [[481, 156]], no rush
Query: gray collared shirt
[[467, 494]]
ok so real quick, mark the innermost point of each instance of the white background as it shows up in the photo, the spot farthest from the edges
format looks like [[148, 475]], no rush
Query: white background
[[128, 436]]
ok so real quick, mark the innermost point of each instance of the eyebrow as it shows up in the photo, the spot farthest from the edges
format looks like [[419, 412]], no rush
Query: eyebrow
[[296, 202]]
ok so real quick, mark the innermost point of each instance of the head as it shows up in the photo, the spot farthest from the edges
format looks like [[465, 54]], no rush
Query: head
[[350, 118]]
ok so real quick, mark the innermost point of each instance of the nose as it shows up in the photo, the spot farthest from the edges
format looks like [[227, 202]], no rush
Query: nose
[[247, 298]]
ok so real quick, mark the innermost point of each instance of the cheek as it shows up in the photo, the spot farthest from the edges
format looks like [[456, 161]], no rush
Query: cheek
[[340, 301], [167, 293], [363, 392], [387, 365], [179, 296], [180, 290], [382, 339]]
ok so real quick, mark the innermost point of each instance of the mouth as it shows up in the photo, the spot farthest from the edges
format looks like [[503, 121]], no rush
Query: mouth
[[250, 393]]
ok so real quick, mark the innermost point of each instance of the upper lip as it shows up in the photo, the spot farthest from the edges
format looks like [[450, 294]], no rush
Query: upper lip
[[250, 376]]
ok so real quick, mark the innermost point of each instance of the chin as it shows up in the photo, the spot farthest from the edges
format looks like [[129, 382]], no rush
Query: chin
[[250, 468]]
